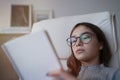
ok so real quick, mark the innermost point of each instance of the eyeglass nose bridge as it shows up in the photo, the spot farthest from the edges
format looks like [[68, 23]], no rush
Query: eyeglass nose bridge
[[78, 41]]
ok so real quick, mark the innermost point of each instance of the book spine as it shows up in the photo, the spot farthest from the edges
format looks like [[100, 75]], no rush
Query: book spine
[[11, 61]]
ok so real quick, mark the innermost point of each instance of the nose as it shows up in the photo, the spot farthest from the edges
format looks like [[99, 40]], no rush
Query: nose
[[79, 42]]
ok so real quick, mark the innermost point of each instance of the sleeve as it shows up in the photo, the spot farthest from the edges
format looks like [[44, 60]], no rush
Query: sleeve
[[117, 75]]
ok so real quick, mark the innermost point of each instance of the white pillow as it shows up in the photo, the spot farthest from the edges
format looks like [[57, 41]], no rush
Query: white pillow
[[59, 29]]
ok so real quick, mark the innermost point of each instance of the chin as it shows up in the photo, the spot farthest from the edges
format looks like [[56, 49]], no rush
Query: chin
[[80, 58]]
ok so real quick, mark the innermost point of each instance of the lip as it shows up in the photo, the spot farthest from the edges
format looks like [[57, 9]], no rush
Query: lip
[[80, 50]]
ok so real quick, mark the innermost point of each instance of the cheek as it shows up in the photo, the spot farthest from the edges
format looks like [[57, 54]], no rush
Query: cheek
[[92, 48], [73, 49]]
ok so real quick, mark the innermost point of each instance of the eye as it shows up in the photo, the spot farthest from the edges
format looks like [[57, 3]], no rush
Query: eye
[[73, 39], [86, 38]]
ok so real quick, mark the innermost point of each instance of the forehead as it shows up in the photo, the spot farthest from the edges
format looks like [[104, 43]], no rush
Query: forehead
[[81, 29]]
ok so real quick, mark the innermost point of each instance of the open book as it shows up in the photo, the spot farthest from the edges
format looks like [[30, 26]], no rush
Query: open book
[[32, 56]]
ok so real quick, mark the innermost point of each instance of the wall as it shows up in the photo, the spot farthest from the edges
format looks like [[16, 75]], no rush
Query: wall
[[63, 8]]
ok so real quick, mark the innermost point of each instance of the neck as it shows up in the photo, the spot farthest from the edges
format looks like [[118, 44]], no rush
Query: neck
[[90, 62]]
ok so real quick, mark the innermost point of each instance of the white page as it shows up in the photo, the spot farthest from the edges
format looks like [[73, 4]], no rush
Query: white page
[[32, 56]]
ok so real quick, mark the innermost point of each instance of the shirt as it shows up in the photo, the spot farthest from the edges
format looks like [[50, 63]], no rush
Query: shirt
[[99, 72]]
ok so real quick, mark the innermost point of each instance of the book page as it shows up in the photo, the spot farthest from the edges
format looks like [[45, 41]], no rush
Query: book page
[[32, 56]]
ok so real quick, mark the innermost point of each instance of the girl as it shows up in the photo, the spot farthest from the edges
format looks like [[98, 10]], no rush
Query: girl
[[90, 56]]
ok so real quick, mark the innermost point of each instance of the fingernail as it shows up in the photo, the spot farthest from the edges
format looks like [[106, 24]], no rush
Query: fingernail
[[47, 74]]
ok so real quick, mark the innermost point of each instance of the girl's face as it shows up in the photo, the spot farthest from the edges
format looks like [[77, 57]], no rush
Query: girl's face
[[86, 48]]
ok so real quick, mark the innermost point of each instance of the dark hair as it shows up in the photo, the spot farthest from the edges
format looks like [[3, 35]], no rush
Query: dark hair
[[105, 54]]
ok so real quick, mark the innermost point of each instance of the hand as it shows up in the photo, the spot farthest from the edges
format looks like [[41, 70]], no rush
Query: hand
[[61, 75]]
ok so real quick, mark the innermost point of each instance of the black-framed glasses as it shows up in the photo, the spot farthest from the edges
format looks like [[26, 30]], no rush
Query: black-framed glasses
[[85, 38]]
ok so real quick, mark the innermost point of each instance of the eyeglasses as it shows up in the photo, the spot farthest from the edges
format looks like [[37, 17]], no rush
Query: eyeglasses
[[84, 38]]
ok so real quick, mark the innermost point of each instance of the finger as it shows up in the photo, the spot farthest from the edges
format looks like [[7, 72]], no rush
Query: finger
[[55, 72]]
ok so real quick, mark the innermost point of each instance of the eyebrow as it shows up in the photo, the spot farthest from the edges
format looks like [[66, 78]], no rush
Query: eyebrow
[[83, 33], [87, 32]]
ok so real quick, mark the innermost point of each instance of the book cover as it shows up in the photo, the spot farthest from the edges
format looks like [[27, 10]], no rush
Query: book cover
[[32, 56]]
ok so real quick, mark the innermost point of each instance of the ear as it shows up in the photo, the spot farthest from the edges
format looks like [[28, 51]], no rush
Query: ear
[[101, 46]]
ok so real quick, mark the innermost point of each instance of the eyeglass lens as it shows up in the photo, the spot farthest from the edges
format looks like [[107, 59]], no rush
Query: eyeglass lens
[[84, 38]]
